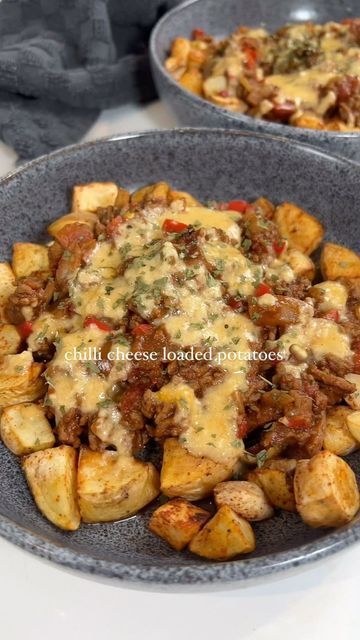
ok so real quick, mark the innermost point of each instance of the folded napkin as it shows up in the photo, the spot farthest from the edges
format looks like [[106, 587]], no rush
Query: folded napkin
[[62, 61]]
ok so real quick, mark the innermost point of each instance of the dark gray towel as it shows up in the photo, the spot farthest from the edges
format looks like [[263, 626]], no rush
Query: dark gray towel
[[61, 61]]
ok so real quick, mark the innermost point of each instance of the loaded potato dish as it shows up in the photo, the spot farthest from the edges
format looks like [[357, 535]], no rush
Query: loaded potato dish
[[305, 75], [157, 346]]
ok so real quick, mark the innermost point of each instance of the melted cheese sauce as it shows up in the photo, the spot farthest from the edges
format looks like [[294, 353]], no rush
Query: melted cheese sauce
[[319, 335], [333, 296]]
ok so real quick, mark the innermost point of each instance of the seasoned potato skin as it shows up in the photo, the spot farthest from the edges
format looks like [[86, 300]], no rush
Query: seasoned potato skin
[[25, 429], [302, 231], [245, 498], [223, 537], [338, 439], [16, 386], [112, 487], [29, 258], [177, 522], [186, 476], [10, 340], [88, 197], [7, 287], [275, 479], [51, 475], [337, 261], [326, 491]]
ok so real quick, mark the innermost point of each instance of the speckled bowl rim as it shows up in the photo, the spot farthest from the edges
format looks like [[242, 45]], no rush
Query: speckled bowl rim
[[202, 572], [270, 127]]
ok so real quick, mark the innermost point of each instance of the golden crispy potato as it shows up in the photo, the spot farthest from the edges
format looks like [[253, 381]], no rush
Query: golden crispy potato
[[177, 522], [302, 230], [20, 379], [82, 217], [338, 438], [276, 480], [122, 199], [111, 487], [51, 475], [337, 261], [245, 498], [326, 491], [157, 193], [186, 476], [353, 423], [88, 197], [29, 257], [307, 121], [300, 263], [178, 56], [7, 287], [25, 429], [10, 340], [353, 399], [190, 201], [224, 536], [192, 80]]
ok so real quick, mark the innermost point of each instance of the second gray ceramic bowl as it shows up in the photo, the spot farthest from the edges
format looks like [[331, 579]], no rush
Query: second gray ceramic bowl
[[220, 19], [212, 165]]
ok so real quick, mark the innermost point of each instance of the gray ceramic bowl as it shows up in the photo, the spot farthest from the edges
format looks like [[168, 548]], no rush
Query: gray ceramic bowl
[[220, 19], [211, 165]]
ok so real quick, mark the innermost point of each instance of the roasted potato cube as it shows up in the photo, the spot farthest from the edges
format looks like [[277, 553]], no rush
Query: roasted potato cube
[[122, 199], [276, 480], [353, 423], [307, 121], [186, 476], [326, 491], [177, 522], [300, 263], [29, 257], [7, 287], [157, 193], [302, 231], [338, 438], [224, 536], [88, 197], [10, 340], [20, 379], [51, 475], [82, 217], [111, 487], [192, 80], [189, 200], [245, 498], [339, 262], [25, 429], [353, 399]]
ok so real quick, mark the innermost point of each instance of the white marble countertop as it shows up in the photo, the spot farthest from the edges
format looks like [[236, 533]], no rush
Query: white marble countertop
[[39, 599]]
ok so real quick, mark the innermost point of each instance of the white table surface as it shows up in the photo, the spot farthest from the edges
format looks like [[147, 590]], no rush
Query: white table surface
[[40, 600]]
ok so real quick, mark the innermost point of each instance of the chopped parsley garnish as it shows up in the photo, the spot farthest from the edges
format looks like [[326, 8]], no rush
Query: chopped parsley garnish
[[261, 457], [237, 443], [104, 404], [40, 336], [108, 289], [246, 244], [92, 366]]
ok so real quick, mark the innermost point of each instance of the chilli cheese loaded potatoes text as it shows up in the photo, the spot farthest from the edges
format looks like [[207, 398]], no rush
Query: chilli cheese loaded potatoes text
[[153, 327]]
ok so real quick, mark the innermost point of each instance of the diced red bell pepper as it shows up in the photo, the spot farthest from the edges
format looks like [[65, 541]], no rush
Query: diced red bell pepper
[[173, 226], [332, 315], [251, 56], [91, 320], [113, 226], [237, 205], [142, 330], [25, 329], [298, 422], [198, 34], [261, 289], [279, 246], [242, 427], [224, 93]]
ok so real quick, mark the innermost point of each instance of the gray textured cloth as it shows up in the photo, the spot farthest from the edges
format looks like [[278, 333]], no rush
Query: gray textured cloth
[[61, 61]]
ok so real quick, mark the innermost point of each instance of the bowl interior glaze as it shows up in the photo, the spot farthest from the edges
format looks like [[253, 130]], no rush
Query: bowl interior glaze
[[211, 165]]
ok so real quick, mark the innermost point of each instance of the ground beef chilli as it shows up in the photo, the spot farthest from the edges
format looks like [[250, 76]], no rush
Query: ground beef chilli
[[161, 345]]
